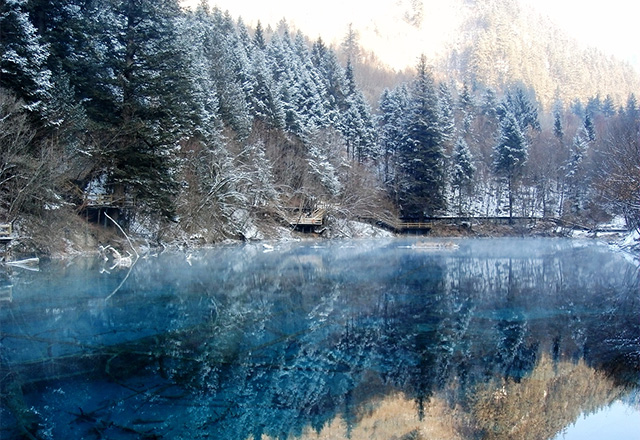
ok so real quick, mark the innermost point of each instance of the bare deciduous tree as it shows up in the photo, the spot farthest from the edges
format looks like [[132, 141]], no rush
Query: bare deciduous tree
[[26, 164], [618, 168]]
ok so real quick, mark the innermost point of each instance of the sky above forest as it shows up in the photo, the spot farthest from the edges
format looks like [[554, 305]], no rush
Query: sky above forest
[[383, 27]]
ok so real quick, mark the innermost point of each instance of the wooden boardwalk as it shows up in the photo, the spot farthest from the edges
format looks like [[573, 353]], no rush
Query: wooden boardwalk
[[316, 218], [399, 226], [106, 201], [396, 225], [6, 232]]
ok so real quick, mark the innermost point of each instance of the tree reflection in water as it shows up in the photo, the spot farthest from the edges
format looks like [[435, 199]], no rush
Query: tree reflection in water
[[536, 407], [496, 339]]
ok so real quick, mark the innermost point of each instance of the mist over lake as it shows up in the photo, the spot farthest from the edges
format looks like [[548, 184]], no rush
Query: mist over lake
[[414, 337]]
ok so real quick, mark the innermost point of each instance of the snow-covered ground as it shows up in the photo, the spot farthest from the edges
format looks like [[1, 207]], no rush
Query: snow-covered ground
[[354, 229], [631, 245]]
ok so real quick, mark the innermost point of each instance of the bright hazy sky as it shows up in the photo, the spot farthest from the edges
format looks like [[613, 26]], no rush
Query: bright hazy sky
[[611, 25]]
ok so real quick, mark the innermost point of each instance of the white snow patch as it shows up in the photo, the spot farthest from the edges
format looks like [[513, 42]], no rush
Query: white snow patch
[[355, 229]]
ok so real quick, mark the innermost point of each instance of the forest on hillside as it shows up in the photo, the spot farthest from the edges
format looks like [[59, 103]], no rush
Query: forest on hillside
[[199, 121]]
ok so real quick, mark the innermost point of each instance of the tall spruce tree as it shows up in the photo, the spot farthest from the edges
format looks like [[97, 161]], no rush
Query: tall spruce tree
[[391, 120], [463, 171], [23, 57], [608, 107], [422, 158], [589, 127], [265, 100], [141, 99], [521, 106], [558, 126], [447, 116], [196, 33], [510, 153], [574, 177], [467, 106]]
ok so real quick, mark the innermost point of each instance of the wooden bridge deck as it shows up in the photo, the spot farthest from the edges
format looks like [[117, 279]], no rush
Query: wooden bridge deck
[[6, 232], [106, 201], [316, 218], [397, 225]]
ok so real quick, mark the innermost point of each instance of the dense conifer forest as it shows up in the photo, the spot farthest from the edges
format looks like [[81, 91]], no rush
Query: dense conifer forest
[[198, 123]]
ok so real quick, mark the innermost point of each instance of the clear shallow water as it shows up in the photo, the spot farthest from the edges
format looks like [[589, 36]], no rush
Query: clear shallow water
[[502, 338]]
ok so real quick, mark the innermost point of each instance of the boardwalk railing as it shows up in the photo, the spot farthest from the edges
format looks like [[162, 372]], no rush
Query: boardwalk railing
[[404, 226], [397, 225], [316, 218], [106, 201], [6, 231]]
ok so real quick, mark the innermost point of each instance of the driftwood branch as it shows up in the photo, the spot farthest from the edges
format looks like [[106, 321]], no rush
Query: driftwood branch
[[123, 233], [120, 260]]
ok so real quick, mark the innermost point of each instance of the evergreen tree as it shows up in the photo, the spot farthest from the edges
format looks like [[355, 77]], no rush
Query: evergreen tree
[[265, 100], [518, 103], [258, 37], [196, 32], [608, 107], [463, 171], [142, 98], [350, 79], [632, 109], [573, 172], [577, 108], [510, 153], [391, 120], [594, 105], [490, 103], [589, 127], [421, 190], [447, 117], [467, 105], [358, 129], [558, 126], [351, 45], [23, 57], [333, 76], [230, 73]]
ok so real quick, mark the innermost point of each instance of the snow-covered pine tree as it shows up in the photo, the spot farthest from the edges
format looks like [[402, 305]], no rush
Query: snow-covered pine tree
[[286, 75], [258, 37], [594, 105], [230, 72], [632, 109], [422, 157], [467, 107], [489, 106], [196, 32], [447, 116], [391, 122], [558, 126], [142, 98], [589, 127], [462, 171], [608, 106], [576, 196], [521, 106], [313, 105], [264, 101], [23, 57], [356, 123], [326, 62], [358, 129], [510, 153]]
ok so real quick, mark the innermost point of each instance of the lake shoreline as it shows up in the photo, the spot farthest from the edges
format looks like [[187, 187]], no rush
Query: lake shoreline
[[67, 235]]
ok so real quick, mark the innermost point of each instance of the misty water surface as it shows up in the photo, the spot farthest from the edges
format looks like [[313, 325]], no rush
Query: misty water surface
[[347, 339]]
